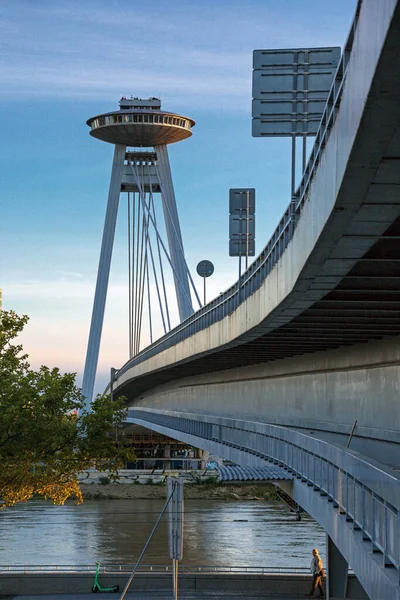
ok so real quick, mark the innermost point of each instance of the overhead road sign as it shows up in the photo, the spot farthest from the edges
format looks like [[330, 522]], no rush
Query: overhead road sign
[[290, 90], [239, 248], [175, 520], [241, 198], [242, 207]]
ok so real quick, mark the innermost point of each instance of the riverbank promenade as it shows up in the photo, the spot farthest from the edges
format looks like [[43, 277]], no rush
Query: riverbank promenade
[[163, 595]]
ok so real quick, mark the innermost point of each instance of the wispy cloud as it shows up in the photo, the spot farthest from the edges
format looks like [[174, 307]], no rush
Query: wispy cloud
[[92, 49]]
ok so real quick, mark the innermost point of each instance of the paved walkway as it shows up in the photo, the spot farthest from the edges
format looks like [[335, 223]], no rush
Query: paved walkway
[[157, 596]]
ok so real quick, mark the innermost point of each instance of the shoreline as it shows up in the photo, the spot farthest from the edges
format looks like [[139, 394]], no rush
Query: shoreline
[[129, 491]]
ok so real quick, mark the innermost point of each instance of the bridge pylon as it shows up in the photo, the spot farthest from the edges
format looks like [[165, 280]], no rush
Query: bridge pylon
[[140, 132]]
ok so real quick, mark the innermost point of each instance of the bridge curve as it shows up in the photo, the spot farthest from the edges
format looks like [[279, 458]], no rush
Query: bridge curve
[[330, 273], [306, 342], [356, 501]]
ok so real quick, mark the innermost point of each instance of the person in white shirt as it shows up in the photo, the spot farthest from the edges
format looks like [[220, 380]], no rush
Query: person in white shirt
[[317, 573]]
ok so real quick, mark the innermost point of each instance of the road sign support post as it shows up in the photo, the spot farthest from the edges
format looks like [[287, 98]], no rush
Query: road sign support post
[[205, 269], [247, 227], [175, 527], [241, 224]]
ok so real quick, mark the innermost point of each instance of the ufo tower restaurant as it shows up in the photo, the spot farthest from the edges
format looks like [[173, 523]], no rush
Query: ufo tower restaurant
[[140, 132]]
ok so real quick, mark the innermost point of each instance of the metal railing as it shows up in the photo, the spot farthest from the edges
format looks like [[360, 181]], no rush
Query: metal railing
[[367, 494], [256, 274], [156, 569]]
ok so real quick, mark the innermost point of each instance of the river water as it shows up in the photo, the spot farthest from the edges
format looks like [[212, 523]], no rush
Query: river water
[[216, 532]]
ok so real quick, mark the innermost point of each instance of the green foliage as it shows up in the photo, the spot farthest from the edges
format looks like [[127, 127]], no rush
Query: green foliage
[[46, 435], [104, 480], [209, 481]]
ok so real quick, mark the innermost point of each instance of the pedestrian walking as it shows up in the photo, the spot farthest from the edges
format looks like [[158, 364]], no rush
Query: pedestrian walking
[[317, 571]]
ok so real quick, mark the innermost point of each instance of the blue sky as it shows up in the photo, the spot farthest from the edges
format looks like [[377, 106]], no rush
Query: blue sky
[[62, 62]]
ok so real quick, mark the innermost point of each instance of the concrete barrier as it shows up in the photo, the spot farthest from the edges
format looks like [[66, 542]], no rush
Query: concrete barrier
[[70, 583]]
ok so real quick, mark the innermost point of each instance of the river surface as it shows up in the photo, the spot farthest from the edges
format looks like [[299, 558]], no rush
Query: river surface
[[216, 532]]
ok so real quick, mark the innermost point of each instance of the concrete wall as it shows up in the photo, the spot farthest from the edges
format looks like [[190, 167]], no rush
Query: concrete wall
[[324, 392], [80, 583]]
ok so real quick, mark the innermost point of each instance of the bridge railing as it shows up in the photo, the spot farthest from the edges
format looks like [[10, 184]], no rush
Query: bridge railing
[[364, 492], [255, 275], [156, 569]]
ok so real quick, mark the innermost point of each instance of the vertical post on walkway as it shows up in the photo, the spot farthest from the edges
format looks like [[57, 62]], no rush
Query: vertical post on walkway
[[337, 571], [175, 527], [247, 227]]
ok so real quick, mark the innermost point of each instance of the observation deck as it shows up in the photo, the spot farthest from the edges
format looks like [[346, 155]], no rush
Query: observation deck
[[140, 123]]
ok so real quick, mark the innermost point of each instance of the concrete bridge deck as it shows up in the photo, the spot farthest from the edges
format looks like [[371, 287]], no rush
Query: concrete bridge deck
[[163, 596]]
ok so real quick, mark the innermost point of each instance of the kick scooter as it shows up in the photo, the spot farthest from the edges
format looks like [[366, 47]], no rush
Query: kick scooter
[[97, 587]]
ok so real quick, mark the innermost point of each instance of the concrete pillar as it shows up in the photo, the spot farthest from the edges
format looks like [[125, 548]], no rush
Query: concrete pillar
[[337, 571], [167, 454], [204, 459]]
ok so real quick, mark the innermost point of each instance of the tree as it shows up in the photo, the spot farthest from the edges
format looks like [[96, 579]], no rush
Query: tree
[[46, 436]]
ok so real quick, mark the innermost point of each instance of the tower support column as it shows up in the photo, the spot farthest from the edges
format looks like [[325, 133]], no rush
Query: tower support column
[[337, 571], [103, 273], [174, 233]]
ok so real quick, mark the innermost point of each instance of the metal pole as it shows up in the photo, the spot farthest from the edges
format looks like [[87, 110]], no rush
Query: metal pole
[[112, 377], [305, 107], [351, 433], [294, 126], [175, 579], [103, 273], [204, 290], [247, 227], [129, 278], [240, 274], [293, 184], [145, 548]]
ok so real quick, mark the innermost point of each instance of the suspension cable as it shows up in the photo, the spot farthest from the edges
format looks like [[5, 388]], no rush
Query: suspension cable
[[133, 258], [149, 304], [141, 281], [147, 543], [152, 205], [179, 240], [145, 206], [145, 227], [129, 278], [156, 282], [139, 207]]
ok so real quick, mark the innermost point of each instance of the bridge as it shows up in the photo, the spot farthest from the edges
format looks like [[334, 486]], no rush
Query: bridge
[[297, 364]]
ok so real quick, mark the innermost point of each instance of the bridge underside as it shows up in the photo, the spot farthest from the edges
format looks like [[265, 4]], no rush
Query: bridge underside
[[349, 289], [364, 306], [362, 528]]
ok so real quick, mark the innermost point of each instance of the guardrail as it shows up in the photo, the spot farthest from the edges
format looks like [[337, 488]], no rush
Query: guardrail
[[156, 569], [255, 275], [367, 494]]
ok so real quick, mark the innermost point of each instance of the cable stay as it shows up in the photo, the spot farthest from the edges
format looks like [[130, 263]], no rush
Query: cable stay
[[179, 240], [147, 253]]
